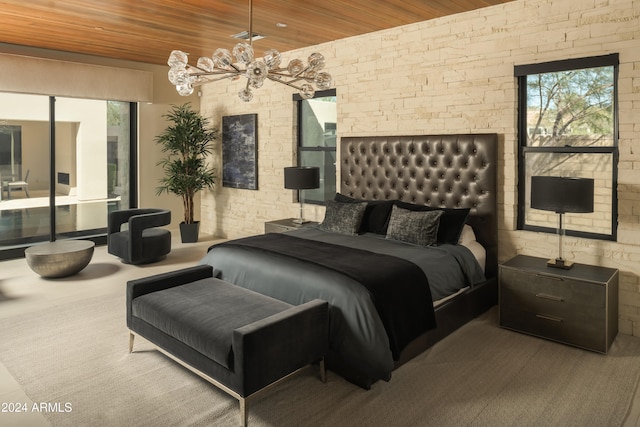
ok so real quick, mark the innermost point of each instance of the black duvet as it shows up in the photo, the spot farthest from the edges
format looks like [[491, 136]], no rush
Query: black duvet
[[363, 329]]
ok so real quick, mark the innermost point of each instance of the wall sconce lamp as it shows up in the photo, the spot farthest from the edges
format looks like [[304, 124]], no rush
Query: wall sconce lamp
[[561, 195], [301, 178]]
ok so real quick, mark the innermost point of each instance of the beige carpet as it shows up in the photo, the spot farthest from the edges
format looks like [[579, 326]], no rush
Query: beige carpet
[[76, 352]]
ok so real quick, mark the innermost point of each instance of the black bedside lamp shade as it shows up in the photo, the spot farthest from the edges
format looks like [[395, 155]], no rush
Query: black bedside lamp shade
[[301, 178], [561, 195]]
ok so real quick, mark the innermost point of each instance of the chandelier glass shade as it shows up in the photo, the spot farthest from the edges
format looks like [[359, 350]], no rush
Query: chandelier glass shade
[[242, 63]]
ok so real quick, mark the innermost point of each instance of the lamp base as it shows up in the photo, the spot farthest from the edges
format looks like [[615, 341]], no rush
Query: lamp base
[[560, 263], [300, 221]]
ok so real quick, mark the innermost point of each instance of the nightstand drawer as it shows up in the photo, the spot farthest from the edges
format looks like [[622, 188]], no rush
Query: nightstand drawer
[[554, 308], [543, 292], [581, 330]]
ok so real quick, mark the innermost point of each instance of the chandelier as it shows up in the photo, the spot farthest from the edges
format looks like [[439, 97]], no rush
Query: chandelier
[[221, 65]]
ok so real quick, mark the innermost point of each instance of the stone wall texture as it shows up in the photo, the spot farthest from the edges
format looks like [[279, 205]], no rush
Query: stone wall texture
[[451, 75]]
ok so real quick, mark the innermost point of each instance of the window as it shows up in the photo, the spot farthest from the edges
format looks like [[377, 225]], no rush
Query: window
[[567, 126], [317, 142], [77, 159]]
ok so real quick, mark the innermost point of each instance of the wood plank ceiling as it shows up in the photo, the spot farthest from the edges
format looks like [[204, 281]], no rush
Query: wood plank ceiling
[[147, 30]]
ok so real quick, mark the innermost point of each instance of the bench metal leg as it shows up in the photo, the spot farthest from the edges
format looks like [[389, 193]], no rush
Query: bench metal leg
[[244, 416], [131, 337], [323, 371]]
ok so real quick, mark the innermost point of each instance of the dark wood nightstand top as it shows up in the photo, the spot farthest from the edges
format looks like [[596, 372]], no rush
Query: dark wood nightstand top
[[584, 272], [281, 225]]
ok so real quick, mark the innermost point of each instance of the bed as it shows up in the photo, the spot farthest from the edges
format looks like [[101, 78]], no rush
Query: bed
[[390, 298]]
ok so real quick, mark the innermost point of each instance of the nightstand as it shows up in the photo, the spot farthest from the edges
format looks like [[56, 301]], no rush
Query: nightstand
[[578, 307], [282, 225]]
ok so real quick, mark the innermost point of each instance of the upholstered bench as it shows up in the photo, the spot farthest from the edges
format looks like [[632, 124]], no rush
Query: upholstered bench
[[239, 340]]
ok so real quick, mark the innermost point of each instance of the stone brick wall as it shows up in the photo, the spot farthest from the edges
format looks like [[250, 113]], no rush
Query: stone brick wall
[[452, 75]]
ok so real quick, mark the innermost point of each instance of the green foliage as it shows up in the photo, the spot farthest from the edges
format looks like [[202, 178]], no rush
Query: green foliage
[[187, 142], [575, 102]]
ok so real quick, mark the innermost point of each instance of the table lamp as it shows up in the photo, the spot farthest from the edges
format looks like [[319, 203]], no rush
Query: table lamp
[[301, 178], [561, 195]]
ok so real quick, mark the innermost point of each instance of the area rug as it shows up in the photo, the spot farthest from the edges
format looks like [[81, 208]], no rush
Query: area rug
[[75, 356]]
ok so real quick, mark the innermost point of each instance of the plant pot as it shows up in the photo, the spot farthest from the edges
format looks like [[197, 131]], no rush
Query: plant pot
[[189, 232]]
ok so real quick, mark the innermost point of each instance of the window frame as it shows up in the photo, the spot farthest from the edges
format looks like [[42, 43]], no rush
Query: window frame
[[521, 72], [300, 148]]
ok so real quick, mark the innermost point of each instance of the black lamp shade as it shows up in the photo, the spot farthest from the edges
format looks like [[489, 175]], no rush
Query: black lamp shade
[[301, 178], [561, 195]]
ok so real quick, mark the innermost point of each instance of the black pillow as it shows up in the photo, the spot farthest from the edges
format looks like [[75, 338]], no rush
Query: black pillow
[[451, 222], [343, 217], [376, 215], [417, 227]]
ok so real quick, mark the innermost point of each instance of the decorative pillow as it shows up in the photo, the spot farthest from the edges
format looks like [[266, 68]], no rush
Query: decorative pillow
[[451, 223], [418, 227], [376, 215], [343, 217]]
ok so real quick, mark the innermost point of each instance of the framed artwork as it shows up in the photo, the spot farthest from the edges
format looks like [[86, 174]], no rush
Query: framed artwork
[[240, 151]]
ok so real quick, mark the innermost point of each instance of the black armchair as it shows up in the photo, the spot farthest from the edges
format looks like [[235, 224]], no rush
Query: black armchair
[[142, 242]]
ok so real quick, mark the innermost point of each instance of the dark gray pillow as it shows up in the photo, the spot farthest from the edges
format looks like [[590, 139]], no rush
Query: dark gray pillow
[[376, 216], [343, 217], [451, 223], [417, 227]]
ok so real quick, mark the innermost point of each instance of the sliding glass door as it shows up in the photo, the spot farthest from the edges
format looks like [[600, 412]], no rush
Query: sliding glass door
[[64, 164]]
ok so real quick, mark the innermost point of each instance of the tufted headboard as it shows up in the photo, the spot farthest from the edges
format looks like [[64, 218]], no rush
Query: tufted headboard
[[449, 171]]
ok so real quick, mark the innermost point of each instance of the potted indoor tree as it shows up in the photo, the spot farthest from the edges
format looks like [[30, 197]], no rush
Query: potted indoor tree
[[187, 142]]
